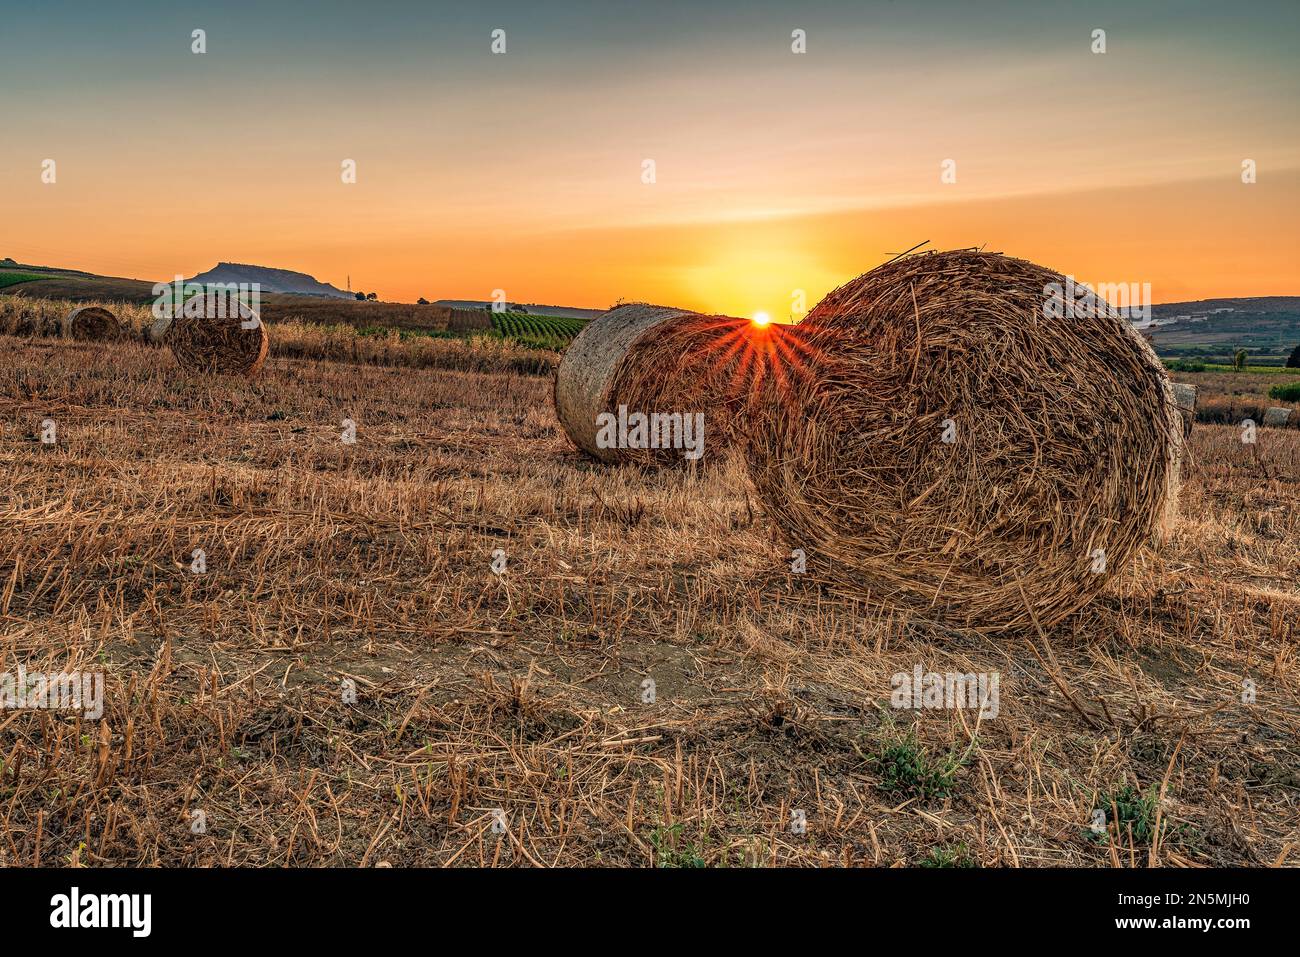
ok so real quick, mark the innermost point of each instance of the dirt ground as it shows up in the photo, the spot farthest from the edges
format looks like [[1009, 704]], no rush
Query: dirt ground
[[506, 719]]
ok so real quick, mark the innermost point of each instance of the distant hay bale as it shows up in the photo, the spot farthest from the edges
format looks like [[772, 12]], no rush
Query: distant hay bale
[[957, 454], [1277, 417], [1185, 399], [157, 330], [91, 324], [216, 332], [645, 359]]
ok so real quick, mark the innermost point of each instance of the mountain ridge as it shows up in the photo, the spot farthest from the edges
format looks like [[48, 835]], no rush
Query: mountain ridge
[[270, 279]]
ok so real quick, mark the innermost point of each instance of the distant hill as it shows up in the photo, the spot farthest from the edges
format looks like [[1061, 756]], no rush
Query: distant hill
[[54, 283], [270, 280], [45, 282], [530, 307], [1267, 327], [9, 263]]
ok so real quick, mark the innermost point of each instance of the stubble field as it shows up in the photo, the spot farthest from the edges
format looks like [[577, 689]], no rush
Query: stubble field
[[503, 719]]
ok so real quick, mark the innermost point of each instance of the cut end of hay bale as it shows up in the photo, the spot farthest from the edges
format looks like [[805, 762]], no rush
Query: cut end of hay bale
[[967, 446], [659, 385], [217, 333], [92, 324]]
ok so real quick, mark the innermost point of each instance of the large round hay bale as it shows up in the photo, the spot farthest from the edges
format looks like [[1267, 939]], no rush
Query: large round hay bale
[[217, 332], [91, 324], [646, 360], [968, 448]]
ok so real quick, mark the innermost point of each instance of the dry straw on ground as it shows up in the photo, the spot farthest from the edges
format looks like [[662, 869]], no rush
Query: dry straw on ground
[[1063, 446], [666, 360], [370, 562], [91, 324], [218, 333]]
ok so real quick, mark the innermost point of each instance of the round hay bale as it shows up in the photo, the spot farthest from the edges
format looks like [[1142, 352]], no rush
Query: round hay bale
[[959, 455], [646, 360], [216, 332], [1277, 417], [92, 324]]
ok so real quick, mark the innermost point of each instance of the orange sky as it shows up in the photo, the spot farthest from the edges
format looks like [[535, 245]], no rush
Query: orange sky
[[774, 172]]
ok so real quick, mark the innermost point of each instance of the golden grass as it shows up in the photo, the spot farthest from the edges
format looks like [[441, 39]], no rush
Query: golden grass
[[371, 562], [1229, 399], [21, 316]]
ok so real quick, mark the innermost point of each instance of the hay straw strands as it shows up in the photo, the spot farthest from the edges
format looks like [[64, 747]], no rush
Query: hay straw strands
[[961, 454], [216, 332], [658, 359], [91, 324]]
